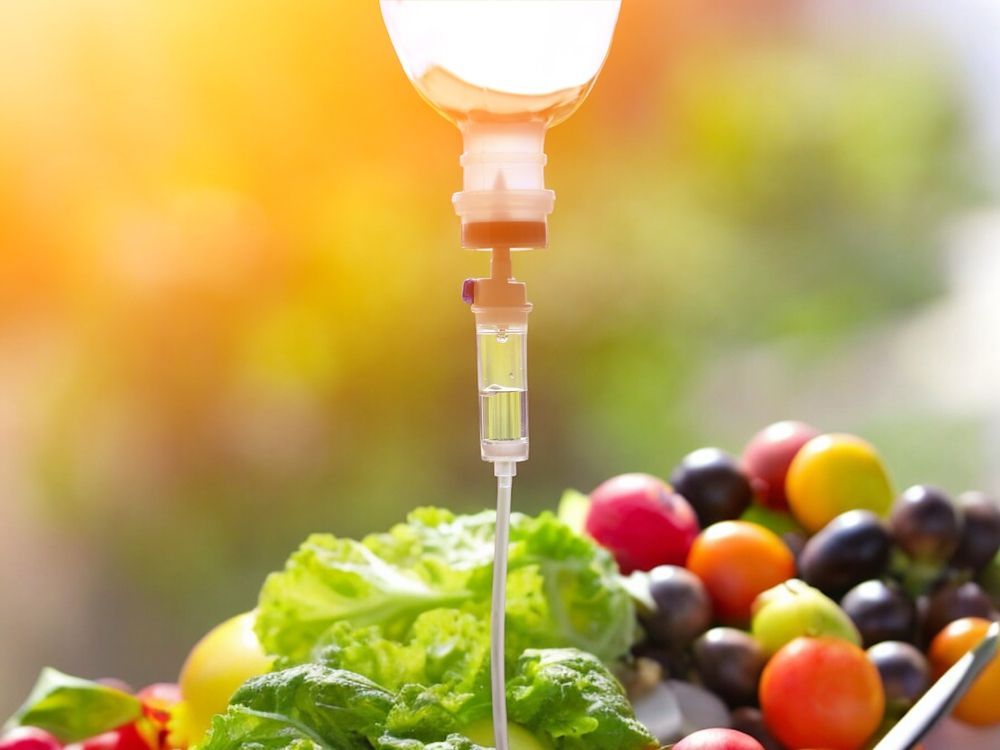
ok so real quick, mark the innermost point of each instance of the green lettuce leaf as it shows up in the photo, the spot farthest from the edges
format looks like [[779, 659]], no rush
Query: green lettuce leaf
[[74, 709], [569, 696], [243, 728], [439, 671], [409, 609], [562, 589], [451, 742], [442, 646], [565, 697], [329, 580], [305, 707]]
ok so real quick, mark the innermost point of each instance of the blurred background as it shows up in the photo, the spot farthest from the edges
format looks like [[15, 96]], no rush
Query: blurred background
[[216, 220]]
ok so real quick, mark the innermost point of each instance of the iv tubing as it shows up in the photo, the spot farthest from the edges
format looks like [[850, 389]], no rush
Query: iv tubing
[[504, 471]]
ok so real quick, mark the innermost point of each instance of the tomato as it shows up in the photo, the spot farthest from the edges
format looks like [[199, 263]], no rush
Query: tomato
[[224, 659], [981, 705], [28, 738], [769, 454], [835, 473], [736, 561], [821, 692], [128, 737]]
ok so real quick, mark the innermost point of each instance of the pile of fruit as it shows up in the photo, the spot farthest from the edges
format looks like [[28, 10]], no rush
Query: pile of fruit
[[785, 599], [792, 595]]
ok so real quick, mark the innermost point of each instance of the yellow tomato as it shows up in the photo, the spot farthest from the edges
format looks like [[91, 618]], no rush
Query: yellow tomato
[[981, 705], [224, 659], [835, 473]]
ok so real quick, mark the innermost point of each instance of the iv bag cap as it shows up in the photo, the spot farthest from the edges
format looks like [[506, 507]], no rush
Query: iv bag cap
[[504, 218], [503, 202]]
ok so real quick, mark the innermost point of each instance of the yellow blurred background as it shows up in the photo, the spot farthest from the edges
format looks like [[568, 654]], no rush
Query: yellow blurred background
[[219, 222]]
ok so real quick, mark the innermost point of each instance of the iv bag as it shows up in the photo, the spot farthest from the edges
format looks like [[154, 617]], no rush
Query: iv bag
[[504, 71], [505, 60]]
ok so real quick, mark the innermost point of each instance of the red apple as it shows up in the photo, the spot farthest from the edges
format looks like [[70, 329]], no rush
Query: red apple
[[642, 521], [768, 455], [718, 739]]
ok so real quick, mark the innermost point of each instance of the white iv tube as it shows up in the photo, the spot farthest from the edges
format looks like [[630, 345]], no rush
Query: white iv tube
[[504, 471]]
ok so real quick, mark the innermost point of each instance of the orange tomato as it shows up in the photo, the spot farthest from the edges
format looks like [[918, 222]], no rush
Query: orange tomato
[[737, 560], [981, 705], [821, 692]]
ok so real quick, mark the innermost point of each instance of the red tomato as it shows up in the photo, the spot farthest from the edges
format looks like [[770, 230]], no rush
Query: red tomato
[[822, 692], [29, 738], [769, 454], [127, 737], [737, 560]]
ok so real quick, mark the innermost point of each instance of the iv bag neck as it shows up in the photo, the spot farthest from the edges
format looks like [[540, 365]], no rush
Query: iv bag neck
[[503, 200], [508, 155]]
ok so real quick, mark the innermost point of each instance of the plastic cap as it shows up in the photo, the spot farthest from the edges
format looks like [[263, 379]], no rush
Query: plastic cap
[[504, 195]]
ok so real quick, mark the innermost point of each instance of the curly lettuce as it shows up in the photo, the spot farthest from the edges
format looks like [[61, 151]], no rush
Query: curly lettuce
[[564, 697], [562, 590], [303, 708], [570, 697], [409, 609]]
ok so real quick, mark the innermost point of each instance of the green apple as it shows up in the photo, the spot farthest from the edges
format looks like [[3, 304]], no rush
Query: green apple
[[793, 609]]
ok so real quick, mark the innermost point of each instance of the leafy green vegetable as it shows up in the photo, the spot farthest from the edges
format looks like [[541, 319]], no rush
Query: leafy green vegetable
[[451, 742], [74, 709], [304, 708], [409, 609], [563, 695], [442, 646], [240, 727], [312, 707], [440, 670], [570, 696], [562, 589]]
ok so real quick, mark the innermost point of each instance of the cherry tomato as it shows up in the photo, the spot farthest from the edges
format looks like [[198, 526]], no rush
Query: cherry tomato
[[769, 454], [127, 737], [822, 692], [835, 473], [29, 738], [981, 705], [736, 561]]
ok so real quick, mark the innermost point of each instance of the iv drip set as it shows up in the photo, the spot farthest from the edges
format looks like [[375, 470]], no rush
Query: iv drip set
[[504, 71]]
